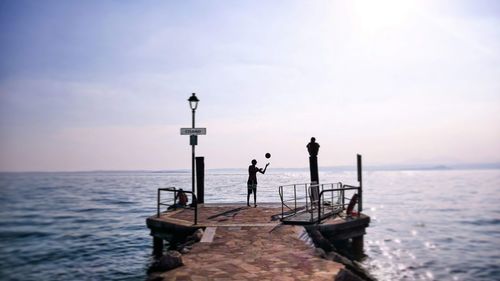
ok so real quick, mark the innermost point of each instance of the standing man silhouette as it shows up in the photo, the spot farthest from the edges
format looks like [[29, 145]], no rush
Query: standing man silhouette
[[252, 181]]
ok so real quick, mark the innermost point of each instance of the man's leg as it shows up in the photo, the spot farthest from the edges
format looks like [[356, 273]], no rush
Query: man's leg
[[249, 190], [255, 196]]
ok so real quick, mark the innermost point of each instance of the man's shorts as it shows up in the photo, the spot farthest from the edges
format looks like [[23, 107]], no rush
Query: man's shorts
[[252, 187]]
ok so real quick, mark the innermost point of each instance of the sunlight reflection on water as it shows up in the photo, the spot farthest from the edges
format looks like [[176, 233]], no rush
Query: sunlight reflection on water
[[426, 225]]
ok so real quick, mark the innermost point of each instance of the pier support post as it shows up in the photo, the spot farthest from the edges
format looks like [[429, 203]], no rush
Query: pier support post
[[157, 246], [358, 245], [313, 167], [200, 179]]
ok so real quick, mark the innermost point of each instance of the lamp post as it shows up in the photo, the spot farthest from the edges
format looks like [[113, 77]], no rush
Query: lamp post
[[193, 104]]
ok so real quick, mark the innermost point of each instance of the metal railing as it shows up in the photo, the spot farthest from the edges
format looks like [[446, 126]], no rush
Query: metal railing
[[292, 211], [174, 191], [342, 190], [334, 203], [303, 196], [313, 197]]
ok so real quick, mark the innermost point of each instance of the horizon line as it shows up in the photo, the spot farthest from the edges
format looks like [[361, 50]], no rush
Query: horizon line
[[381, 167]]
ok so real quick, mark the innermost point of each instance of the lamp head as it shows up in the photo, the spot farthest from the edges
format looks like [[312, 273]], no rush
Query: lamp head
[[193, 101]]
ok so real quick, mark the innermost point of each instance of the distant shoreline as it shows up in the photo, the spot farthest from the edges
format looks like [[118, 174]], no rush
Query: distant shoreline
[[423, 167]]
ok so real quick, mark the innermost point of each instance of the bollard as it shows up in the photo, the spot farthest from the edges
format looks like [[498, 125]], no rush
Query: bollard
[[313, 167], [200, 180]]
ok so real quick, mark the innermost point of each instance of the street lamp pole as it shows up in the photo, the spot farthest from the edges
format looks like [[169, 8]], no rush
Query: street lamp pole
[[193, 155], [193, 103]]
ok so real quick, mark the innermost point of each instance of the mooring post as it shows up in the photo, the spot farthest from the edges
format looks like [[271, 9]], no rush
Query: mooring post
[[313, 148], [313, 167], [360, 180], [200, 179], [157, 246], [158, 204]]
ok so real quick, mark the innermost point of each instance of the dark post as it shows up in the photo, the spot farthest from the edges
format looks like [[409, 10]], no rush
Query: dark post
[[358, 245], [195, 210], [200, 179], [158, 204], [313, 167], [360, 180], [157, 246]]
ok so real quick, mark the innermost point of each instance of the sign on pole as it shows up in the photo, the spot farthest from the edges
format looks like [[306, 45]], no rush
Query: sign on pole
[[193, 131]]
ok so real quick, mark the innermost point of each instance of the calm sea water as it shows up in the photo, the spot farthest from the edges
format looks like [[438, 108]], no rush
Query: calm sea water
[[426, 225]]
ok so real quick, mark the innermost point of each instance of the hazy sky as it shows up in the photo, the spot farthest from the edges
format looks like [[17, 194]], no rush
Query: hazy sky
[[88, 85]]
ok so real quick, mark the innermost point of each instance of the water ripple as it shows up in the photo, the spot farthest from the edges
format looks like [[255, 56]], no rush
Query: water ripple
[[90, 226]]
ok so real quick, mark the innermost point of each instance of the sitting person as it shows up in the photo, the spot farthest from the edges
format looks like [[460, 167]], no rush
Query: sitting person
[[181, 200]]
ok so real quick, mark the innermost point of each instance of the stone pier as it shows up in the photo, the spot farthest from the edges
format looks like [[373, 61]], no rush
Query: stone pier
[[242, 243]]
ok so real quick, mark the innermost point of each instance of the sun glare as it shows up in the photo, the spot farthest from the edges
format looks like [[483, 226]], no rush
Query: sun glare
[[373, 16]]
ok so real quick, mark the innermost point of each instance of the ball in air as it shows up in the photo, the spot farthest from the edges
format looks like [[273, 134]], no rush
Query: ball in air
[[268, 155]]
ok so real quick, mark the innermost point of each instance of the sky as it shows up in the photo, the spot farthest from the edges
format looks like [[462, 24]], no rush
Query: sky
[[103, 85]]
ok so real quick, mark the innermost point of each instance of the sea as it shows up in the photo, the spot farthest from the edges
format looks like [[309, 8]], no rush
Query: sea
[[425, 224]]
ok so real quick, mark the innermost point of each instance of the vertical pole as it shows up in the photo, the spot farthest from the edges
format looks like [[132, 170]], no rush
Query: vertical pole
[[333, 196], [313, 168], [158, 204], [343, 196], [360, 180], [295, 197], [282, 199], [175, 196], [200, 179], [319, 214], [358, 245], [192, 159], [195, 210], [157, 246], [307, 195]]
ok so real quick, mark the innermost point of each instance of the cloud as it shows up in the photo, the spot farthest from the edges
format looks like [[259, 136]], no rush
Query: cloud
[[399, 85]]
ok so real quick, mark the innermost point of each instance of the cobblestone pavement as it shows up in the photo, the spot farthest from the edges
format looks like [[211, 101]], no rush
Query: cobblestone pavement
[[241, 251], [232, 214]]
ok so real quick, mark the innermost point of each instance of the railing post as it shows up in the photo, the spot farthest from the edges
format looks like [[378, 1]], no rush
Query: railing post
[[331, 201], [320, 203], [343, 196], [307, 203], [158, 204], [175, 196], [282, 202], [295, 197], [319, 208]]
